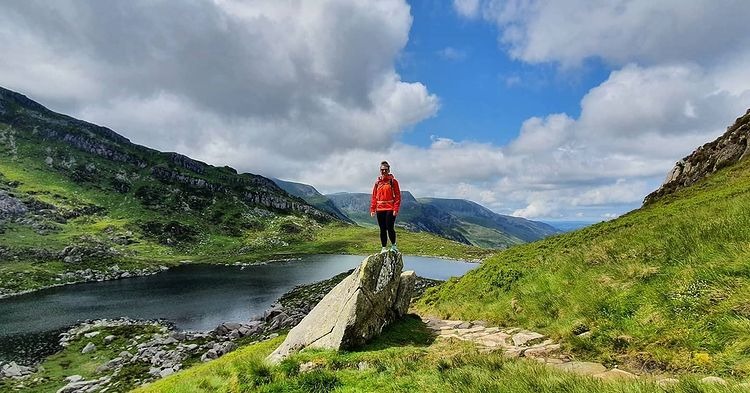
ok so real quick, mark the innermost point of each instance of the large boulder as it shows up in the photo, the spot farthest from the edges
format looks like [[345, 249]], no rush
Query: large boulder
[[356, 310]]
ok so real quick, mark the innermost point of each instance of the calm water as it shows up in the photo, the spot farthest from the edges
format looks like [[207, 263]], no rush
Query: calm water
[[194, 297]]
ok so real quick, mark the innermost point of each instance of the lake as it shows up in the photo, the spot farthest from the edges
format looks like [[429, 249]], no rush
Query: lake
[[194, 297]]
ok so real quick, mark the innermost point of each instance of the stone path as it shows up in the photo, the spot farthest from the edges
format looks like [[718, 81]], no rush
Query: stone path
[[516, 342]]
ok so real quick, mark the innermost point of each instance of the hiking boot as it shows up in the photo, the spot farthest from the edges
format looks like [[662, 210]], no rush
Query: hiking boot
[[383, 250], [394, 248]]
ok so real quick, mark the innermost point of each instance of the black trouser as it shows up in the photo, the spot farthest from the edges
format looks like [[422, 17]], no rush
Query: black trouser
[[386, 219]]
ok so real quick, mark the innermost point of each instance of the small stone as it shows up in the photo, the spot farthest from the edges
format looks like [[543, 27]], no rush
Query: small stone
[[525, 337], [615, 374], [667, 382], [582, 368], [542, 351], [167, 371], [714, 380], [109, 339], [90, 347], [91, 334], [514, 352], [362, 366], [308, 366]]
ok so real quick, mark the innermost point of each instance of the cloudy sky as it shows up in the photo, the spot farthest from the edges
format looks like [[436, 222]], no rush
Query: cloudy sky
[[570, 109]]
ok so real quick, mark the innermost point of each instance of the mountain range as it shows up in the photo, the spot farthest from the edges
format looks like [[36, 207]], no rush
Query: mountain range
[[456, 219]]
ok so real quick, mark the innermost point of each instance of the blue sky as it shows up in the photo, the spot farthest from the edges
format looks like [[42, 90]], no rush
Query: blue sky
[[550, 110], [485, 95]]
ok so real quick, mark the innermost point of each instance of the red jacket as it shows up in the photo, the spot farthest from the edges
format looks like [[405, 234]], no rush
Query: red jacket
[[386, 195]]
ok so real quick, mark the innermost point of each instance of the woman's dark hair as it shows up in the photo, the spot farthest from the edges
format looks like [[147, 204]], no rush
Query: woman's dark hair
[[385, 163]]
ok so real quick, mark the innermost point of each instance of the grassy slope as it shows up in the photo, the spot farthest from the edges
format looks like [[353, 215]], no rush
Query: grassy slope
[[665, 287], [487, 237], [403, 359]]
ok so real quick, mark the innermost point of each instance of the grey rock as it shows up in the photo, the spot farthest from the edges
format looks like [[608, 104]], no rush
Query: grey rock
[[109, 339], [404, 293], [73, 378], [714, 380], [75, 387], [179, 336], [542, 351], [209, 355], [308, 366], [355, 310], [582, 368], [14, 370], [615, 374], [10, 206], [167, 371], [525, 337], [667, 382], [90, 347]]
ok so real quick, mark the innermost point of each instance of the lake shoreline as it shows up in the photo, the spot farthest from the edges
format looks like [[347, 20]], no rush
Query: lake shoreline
[[106, 275], [173, 349]]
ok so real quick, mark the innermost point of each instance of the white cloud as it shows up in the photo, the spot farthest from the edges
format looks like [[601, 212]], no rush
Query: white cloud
[[452, 54], [467, 8], [619, 31], [297, 78]]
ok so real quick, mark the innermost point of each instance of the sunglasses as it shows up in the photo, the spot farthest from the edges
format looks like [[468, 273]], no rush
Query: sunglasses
[[384, 169]]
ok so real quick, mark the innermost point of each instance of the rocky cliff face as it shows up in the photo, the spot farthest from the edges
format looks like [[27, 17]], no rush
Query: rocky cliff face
[[727, 149]]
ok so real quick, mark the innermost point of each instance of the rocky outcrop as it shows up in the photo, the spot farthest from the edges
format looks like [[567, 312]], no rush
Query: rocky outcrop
[[707, 159], [187, 162], [356, 310], [14, 370], [10, 207]]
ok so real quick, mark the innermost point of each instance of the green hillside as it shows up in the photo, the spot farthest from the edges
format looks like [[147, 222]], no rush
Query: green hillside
[[665, 287]]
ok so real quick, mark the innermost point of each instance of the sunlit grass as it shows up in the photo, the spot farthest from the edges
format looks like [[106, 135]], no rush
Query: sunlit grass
[[661, 288], [394, 363]]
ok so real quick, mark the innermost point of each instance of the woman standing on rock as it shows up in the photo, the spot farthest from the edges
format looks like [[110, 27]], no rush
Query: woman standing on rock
[[386, 200]]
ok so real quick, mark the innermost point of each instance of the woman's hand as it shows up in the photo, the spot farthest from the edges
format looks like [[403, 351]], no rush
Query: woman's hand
[[372, 214], [395, 213]]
